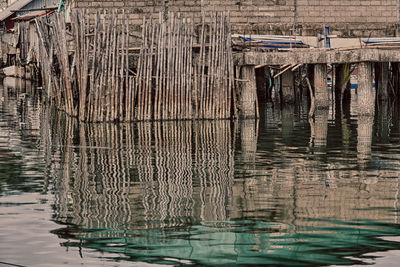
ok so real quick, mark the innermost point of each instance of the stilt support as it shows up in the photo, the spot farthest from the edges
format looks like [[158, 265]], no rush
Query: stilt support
[[248, 96], [287, 87], [321, 88], [366, 93]]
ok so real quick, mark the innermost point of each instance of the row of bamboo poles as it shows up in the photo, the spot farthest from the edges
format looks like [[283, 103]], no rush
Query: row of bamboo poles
[[165, 61], [214, 75], [90, 81], [91, 69]]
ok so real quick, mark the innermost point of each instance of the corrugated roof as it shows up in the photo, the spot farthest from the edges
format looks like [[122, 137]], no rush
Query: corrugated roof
[[30, 15], [14, 6]]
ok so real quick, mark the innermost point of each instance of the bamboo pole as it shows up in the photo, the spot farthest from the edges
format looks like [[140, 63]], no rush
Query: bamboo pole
[[157, 88], [122, 92], [180, 57], [181, 77], [138, 84], [174, 64], [107, 80], [64, 63], [112, 89], [160, 63], [190, 70], [225, 62], [128, 84], [186, 66], [101, 98], [219, 99], [150, 76], [214, 63], [209, 68], [200, 93]]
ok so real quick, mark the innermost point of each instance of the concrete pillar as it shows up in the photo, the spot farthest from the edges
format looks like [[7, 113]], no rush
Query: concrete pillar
[[320, 86], [366, 93], [262, 84], [381, 80], [248, 92], [287, 87]]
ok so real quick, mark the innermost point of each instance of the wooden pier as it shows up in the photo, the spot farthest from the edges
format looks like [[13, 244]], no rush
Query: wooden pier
[[372, 64]]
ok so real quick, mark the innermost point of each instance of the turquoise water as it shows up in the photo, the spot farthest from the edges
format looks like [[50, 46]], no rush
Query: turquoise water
[[281, 191]]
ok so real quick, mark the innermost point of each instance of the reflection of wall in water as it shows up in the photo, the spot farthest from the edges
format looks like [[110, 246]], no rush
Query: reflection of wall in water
[[291, 188], [22, 111], [153, 175]]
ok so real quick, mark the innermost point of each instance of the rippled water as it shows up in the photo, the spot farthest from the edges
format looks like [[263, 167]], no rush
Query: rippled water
[[282, 190]]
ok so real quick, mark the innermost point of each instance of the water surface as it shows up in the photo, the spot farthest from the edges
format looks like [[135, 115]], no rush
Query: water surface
[[282, 190]]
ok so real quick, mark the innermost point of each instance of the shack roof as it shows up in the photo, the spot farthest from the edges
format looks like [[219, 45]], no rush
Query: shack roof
[[17, 5], [27, 16]]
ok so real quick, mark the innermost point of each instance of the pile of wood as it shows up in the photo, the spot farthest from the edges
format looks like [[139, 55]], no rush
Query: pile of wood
[[91, 69]]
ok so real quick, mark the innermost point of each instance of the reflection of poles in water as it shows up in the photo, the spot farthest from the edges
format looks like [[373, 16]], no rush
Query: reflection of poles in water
[[214, 157], [384, 120], [64, 137], [107, 169], [364, 137], [319, 128], [145, 168], [93, 189], [172, 189], [287, 122]]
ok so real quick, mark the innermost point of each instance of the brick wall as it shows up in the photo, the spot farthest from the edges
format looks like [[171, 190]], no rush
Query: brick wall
[[346, 17]]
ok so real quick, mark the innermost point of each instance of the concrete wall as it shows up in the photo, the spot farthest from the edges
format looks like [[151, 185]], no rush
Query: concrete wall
[[346, 17]]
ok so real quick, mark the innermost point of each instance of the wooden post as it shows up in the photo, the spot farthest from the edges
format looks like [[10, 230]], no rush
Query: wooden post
[[287, 87], [320, 86], [366, 93], [248, 92], [381, 80]]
